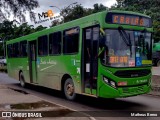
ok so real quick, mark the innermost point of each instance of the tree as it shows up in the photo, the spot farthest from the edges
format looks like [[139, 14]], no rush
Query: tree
[[99, 8], [156, 26], [18, 8], [39, 28], [72, 13], [56, 22], [6, 29], [9, 30], [1, 49], [77, 11]]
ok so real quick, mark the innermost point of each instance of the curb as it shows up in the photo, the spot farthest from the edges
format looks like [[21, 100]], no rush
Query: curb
[[158, 96], [87, 115]]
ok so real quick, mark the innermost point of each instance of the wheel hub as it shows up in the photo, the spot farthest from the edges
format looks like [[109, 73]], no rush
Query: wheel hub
[[70, 89]]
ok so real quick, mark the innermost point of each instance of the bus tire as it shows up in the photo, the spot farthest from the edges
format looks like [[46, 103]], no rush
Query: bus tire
[[22, 80], [69, 89]]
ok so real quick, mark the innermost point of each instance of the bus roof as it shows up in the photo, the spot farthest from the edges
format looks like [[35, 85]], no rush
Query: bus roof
[[89, 18], [129, 12]]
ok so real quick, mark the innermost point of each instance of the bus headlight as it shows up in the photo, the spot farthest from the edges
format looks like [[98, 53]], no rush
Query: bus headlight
[[109, 82], [113, 84], [106, 80]]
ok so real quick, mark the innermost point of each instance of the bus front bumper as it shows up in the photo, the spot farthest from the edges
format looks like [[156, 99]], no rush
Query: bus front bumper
[[107, 91]]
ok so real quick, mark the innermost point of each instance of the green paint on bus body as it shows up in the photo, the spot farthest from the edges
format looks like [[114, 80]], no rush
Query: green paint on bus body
[[48, 70], [156, 47]]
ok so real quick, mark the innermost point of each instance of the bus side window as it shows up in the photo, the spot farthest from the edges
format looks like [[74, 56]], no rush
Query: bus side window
[[43, 45], [9, 51], [71, 41], [23, 49], [16, 50], [40, 52], [88, 44], [55, 43]]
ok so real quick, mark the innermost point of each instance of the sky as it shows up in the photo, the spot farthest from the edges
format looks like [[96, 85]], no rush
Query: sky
[[45, 6]]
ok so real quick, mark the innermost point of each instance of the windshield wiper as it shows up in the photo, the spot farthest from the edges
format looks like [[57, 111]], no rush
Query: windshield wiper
[[124, 35], [126, 38]]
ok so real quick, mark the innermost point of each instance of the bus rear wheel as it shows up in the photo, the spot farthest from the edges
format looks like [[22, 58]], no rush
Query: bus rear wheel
[[69, 89], [22, 80]]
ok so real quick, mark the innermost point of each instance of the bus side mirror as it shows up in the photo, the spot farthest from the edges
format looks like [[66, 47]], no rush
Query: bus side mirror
[[104, 40]]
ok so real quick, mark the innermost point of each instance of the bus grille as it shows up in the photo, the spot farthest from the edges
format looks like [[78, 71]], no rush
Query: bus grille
[[132, 73], [133, 90]]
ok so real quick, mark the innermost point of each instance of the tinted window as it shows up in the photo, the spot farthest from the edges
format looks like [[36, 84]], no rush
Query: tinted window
[[55, 43], [16, 50], [70, 41], [23, 49], [43, 45], [9, 51], [118, 53]]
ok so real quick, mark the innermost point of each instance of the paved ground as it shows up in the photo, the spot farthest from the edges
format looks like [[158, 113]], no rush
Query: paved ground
[[16, 101], [156, 71], [98, 109], [155, 81]]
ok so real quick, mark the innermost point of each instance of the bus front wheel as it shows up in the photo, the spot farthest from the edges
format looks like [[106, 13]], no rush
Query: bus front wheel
[[69, 89], [22, 80]]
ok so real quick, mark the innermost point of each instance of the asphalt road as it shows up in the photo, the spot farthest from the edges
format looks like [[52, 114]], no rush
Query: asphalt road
[[99, 109], [156, 71]]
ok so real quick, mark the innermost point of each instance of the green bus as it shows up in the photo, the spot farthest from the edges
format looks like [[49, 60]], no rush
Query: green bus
[[104, 55]]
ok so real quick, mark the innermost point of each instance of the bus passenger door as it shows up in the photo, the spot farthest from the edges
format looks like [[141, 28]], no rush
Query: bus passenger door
[[90, 60], [32, 61]]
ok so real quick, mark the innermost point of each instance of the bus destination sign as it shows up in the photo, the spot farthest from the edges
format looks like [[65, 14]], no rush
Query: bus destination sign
[[128, 19]]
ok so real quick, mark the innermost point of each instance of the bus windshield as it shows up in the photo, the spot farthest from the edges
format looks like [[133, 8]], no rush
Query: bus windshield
[[127, 48]]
